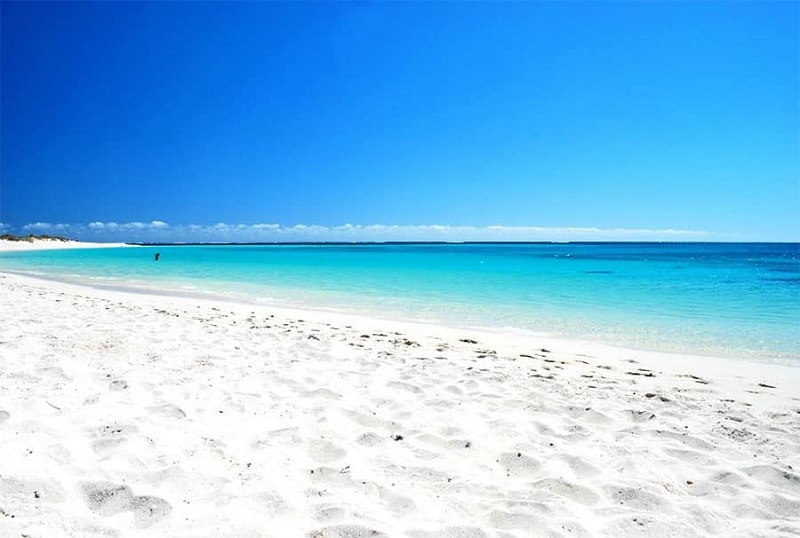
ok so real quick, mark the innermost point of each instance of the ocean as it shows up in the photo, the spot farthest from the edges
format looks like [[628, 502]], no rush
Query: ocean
[[718, 299]]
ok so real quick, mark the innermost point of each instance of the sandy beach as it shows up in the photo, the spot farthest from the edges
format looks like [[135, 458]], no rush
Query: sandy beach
[[145, 415], [52, 244]]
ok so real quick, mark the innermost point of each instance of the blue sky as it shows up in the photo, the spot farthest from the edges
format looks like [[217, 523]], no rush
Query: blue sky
[[408, 120]]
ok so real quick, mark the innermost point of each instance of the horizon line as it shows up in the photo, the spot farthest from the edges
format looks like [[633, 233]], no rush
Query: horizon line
[[413, 242], [161, 232]]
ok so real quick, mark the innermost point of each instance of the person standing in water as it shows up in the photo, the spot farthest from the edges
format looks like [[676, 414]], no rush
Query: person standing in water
[[158, 255]]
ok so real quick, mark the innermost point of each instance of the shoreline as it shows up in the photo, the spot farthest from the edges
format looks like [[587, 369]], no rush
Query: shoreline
[[172, 416], [312, 310], [497, 336]]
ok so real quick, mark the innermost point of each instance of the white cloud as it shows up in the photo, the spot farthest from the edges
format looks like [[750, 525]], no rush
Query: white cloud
[[265, 226], [158, 230], [46, 227], [114, 227]]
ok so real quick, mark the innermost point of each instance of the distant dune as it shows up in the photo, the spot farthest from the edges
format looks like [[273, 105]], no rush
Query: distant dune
[[46, 242]]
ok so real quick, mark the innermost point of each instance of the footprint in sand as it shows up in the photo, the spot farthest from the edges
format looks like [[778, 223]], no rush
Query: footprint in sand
[[323, 451], [402, 385], [396, 504], [327, 513], [785, 480], [517, 464], [323, 393], [198, 485], [111, 436], [370, 439], [568, 490], [780, 505], [168, 410], [636, 498], [271, 503], [280, 437], [454, 389], [4, 415], [684, 439], [513, 520], [691, 456], [363, 419], [729, 478], [54, 373], [441, 403], [346, 531], [639, 416], [107, 499], [117, 385], [148, 510], [330, 476], [450, 532], [451, 431], [579, 466], [15, 489], [587, 414]]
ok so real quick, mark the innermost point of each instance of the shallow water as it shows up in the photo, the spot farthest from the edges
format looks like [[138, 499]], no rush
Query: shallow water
[[734, 300]]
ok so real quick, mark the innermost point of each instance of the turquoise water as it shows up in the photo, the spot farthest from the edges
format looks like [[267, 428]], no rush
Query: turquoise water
[[735, 300]]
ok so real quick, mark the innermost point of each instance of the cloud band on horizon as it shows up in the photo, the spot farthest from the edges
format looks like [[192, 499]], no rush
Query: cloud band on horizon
[[160, 231]]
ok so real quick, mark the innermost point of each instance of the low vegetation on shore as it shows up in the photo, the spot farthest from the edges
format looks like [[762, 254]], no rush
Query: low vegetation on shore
[[31, 238]]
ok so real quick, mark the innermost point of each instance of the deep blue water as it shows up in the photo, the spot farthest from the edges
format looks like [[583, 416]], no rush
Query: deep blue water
[[727, 299]]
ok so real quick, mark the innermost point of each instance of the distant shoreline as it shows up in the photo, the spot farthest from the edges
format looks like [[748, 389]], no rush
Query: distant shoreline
[[39, 242], [32, 242]]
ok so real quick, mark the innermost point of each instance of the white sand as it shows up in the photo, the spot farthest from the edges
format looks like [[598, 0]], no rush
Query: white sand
[[134, 415], [52, 244]]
